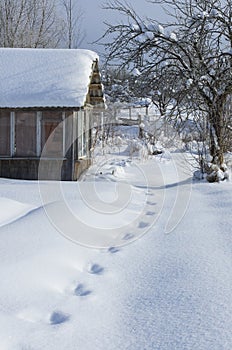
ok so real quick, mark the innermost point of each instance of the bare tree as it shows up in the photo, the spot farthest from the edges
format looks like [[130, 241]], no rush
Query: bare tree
[[73, 18], [29, 23], [194, 50]]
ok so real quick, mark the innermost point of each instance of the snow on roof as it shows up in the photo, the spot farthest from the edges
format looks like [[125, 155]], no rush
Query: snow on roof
[[44, 77]]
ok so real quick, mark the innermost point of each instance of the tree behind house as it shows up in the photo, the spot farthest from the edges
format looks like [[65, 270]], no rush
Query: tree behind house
[[192, 54], [73, 34], [39, 23]]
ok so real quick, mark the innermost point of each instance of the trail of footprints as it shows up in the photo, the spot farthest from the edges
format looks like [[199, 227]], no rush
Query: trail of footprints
[[142, 224], [58, 317], [81, 290]]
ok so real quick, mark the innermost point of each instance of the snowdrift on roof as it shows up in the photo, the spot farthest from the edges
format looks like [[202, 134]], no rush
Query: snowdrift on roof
[[44, 77]]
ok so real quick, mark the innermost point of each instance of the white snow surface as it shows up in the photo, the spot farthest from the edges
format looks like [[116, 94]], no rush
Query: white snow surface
[[167, 289], [44, 77], [12, 210]]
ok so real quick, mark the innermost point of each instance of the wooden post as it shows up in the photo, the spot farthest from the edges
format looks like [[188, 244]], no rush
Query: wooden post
[[12, 134]]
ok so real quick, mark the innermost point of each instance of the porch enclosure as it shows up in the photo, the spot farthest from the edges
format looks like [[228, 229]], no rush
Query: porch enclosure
[[55, 136]]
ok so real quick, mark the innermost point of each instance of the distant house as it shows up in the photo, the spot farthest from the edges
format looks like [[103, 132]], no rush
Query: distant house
[[47, 100]]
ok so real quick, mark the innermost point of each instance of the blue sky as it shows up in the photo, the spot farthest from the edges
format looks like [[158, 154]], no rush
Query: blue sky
[[94, 16]]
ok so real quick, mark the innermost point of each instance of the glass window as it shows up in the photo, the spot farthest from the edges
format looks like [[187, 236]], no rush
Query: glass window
[[5, 133], [87, 131], [84, 133], [25, 134], [52, 134], [81, 134]]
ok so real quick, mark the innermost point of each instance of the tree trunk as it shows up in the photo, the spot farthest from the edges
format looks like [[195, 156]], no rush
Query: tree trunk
[[217, 170], [217, 133]]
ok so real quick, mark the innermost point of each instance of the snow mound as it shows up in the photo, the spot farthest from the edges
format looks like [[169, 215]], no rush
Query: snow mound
[[119, 171], [12, 210]]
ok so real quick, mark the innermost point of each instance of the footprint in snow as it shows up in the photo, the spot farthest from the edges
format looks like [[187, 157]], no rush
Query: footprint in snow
[[128, 236], [81, 291], [113, 250], [58, 317], [143, 224], [96, 269], [150, 213], [151, 203]]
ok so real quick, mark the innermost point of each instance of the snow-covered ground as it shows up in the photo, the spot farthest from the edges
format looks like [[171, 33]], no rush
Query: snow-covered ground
[[134, 256]]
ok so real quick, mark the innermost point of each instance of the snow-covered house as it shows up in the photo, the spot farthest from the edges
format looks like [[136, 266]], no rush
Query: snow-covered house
[[47, 100]]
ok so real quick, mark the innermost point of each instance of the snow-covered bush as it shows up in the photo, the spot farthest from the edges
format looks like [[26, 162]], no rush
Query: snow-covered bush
[[217, 174]]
